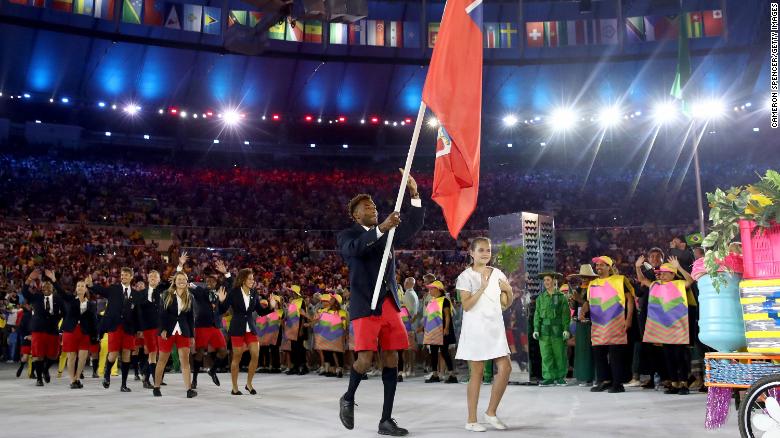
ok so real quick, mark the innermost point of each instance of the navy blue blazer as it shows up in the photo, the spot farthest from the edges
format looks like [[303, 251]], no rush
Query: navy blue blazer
[[242, 315], [43, 321], [120, 309], [362, 252], [169, 316], [148, 313], [74, 317]]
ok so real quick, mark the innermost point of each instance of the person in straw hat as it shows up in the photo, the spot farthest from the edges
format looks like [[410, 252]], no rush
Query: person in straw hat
[[551, 329], [584, 371]]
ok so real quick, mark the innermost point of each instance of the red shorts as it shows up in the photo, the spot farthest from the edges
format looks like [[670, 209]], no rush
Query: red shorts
[[25, 349], [119, 340], [386, 330], [150, 340], [166, 345], [45, 345], [242, 341], [205, 336], [94, 348], [75, 341]]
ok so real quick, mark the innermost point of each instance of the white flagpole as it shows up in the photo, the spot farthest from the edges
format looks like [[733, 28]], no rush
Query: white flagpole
[[398, 201]]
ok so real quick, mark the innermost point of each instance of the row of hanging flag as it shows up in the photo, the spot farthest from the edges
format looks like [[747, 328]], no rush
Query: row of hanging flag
[[388, 33]]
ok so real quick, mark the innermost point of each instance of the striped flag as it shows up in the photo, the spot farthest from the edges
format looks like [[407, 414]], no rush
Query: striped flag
[[192, 18], [357, 33], [84, 7], [412, 34], [173, 17], [534, 33], [508, 36], [491, 32], [275, 32], [395, 34], [294, 30], [375, 30], [237, 17], [582, 32], [635, 29], [433, 32], [694, 24], [567, 33], [551, 33], [312, 31], [338, 33], [212, 20], [153, 12], [131, 11], [62, 5], [661, 27]]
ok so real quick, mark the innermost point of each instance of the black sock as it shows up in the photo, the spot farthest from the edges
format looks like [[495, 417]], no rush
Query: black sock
[[38, 369], [390, 381], [196, 364], [107, 369], [150, 371], [95, 363], [47, 363], [134, 362], [354, 380], [213, 356], [21, 367], [125, 366]]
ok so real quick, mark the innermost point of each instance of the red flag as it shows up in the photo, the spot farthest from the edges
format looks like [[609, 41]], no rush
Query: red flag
[[534, 34], [453, 92], [713, 23]]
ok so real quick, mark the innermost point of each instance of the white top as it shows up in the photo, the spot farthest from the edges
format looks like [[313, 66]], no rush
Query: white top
[[482, 334], [50, 302], [83, 306], [150, 294], [246, 306], [177, 329]]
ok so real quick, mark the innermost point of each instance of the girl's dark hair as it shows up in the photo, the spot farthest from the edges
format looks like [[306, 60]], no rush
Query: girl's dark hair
[[473, 246], [241, 277]]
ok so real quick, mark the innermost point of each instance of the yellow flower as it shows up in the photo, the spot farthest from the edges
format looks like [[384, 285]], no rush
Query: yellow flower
[[762, 201]]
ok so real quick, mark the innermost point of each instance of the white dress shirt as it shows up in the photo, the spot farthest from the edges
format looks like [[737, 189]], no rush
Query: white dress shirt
[[50, 302], [177, 329], [416, 202], [246, 306], [83, 306], [150, 294]]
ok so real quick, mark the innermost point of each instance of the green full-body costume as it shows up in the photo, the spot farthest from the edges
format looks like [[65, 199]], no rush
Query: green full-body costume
[[551, 320]]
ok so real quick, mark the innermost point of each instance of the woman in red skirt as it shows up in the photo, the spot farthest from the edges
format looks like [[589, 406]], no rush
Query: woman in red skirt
[[79, 326], [177, 327]]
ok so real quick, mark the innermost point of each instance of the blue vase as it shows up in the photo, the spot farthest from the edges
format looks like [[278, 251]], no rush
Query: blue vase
[[720, 315]]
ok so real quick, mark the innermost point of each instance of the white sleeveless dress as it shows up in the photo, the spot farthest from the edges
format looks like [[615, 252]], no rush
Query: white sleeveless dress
[[482, 335]]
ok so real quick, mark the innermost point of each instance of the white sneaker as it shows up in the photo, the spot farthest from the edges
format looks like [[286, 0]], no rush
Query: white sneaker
[[495, 422], [634, 383], [475, 427]]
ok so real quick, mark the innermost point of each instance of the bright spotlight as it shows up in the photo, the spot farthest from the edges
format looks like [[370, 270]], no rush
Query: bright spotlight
[[665, 112], [509, 145], [183, 114], [102, 104], [563, 119], [216, 141], [63, 100], [708, 109], [231, 117], [132, 109], [433, 123], [609, 116], [108, 133], [510, 120], [345, 146], [146, 136]]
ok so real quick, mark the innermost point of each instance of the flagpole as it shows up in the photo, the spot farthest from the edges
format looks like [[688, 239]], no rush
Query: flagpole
[[697, 171], [398, 201]]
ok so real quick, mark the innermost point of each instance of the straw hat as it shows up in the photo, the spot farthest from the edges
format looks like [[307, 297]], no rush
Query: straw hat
[[585, 271]]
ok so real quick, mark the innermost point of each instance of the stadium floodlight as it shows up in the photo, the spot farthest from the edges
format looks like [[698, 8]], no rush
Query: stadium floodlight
[[433, 123], [231, 117], [562, 119], [665, 112], [609, 116], [510, 120], [102, 104], [132, 109], [708, 109]]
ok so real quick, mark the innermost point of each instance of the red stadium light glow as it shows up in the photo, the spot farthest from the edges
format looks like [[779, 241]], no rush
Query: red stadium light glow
[[173, 110], [374, 120], [276, 117], [342, 119], [308, 118], [209, 113], [408, 120]]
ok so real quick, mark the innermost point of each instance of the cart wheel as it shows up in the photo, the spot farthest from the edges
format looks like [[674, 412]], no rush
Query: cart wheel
[[754, 410]]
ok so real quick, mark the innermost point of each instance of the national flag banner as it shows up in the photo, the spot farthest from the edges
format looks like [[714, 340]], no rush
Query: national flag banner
[[605, 31], [294, 30], [173, 16], [433, 33], [277, 31], [192, 18], [551, 33], [582, 32], [713, 23], [62, 5], [534, 34], [694, 24], [236, 17], [338, 33], [412, 34], [312, 32], [212, 20], [255, 17], [490, 32], [694, 239], [131, 11], [84, 7], [104, 9], [508, 36], [661, 27], [453, 92], [635, 29], [18, 2], [357, 33], [683, 72], [154, 11], [37, 3], [375, 32], [394, 34]]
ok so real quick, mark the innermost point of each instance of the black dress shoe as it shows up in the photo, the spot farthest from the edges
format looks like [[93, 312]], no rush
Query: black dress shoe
[[433, 379], [390, 427], [39, 382], [125, 389], [194, 384], [291, 371], [81, 376], [364, 377], [46, 377], [601, 387], [251, 391], [671, 390], [74, 385], [236, 392], [156, 392], [303, 371], [347, 412], [19, 371], [340, 375], [400, 378], [191, 393], [106, 382], [616, 389], [683, 391], [213, 375], [137, 377], [148, 385]]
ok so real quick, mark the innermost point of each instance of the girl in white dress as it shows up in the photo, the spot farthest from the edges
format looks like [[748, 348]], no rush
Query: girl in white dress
[[484, 290]]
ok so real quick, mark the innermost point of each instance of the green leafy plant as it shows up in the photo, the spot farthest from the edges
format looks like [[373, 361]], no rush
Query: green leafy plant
[[759, 202], [508, 258]]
